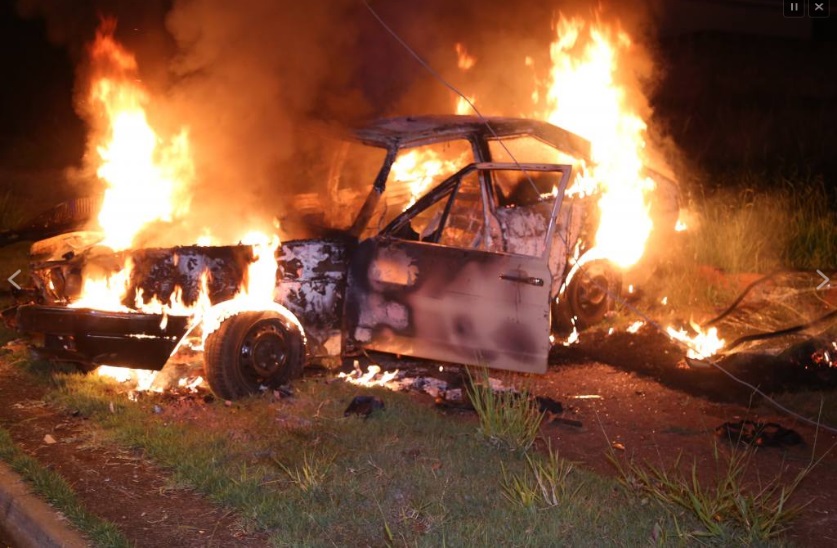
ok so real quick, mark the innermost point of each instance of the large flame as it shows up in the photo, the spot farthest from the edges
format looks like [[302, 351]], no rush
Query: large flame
[[145, 176], [584, 97], [146, 181]]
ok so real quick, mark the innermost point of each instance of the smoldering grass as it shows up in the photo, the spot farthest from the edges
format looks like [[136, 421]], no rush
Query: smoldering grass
[[55, 489]]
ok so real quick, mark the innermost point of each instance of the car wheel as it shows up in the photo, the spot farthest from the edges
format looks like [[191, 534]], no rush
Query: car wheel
[[252, 351], [589, 295]]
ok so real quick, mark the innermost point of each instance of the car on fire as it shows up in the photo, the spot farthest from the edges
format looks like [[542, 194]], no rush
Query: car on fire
[[473, 267]]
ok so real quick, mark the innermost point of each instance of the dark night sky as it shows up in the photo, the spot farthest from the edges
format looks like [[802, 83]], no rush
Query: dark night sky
[[39, 125], [39, 128]]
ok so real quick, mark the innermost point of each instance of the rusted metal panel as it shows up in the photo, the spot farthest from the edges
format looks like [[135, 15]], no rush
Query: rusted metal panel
[[311, 281]]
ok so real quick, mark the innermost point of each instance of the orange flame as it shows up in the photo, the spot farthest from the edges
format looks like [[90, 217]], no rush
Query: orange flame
[[584, 97], [420, 169], [702, 345], [145, 177]]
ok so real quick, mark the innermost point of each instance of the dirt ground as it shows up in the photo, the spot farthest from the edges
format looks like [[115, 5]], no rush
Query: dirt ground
[[643, 406]]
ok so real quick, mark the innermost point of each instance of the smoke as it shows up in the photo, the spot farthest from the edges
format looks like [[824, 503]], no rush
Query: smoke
[[255, 82]]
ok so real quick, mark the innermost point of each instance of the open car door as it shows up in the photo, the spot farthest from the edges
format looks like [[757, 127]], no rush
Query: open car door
[[462, 275]]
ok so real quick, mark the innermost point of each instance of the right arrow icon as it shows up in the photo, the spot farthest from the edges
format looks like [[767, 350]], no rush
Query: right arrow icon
[[826, 280]]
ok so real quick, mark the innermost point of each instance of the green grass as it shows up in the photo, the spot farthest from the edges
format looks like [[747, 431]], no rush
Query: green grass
[[508, 419], [52, 487], [407, 475], [756, 223], [733, 507]]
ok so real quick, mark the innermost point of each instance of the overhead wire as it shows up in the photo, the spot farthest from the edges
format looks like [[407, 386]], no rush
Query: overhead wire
[[614, 297]]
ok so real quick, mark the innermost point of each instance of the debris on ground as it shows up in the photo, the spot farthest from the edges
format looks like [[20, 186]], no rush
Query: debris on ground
[[760, 434], [364, 406]]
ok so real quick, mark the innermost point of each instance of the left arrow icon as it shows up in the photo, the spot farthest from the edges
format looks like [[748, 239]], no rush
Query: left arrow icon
[[11, 279]]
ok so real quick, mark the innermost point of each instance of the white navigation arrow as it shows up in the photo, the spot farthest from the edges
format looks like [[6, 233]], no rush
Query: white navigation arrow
[[11, 279], [826, 280]]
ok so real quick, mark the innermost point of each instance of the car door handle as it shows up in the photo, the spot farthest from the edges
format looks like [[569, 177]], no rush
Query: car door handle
[[531, 280]]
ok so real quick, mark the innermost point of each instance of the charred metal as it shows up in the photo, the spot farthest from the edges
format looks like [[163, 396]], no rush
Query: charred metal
[[470, 272]]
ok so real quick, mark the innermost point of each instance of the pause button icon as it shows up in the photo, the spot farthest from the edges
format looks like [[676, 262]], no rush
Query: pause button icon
[[794, 8]]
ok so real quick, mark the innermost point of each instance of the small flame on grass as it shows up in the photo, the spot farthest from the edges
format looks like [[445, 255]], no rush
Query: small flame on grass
[[370, 378], [703, 345]]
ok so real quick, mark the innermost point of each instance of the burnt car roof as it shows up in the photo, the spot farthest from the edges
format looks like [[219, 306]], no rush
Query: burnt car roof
[[409, 131]]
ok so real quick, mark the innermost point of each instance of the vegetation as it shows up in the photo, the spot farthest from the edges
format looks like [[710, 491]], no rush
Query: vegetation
[[52, 487], [732, 507], [301, 470], [508, 419], [750, 225]]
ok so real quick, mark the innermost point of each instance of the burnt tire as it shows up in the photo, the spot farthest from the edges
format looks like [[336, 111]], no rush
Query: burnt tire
[[589, 295], [252, 351]]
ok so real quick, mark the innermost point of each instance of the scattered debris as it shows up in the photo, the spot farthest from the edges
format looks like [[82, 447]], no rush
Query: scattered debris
[[760, 434], [49, 440], [548, 405], [364, 406]]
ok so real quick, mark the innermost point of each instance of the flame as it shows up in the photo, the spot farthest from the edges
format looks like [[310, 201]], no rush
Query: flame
[[702, 345], [463, 104], [145, 176], [142, 378], [584, 97], [370, 378], [635, 327], [464, 60], [420, 168]]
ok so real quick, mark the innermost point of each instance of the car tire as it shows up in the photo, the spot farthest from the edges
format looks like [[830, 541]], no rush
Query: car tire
[[250, 352], [589, 295]]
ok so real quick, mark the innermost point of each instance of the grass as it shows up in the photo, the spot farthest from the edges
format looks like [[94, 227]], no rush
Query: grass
[[52, 487], [408, 475], [732, 507], [508, 419], [547, 482], [756, 223]]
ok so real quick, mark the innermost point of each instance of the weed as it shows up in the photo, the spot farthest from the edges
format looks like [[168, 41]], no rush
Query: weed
[[310, 475], [729, 508], [544, 483], [508, 419]]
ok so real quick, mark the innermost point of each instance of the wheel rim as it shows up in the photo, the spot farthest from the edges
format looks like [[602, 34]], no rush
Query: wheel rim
[[592, 293], [264, 350]]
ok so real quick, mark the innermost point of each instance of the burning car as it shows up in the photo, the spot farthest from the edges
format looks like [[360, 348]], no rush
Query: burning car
[[473, 261]]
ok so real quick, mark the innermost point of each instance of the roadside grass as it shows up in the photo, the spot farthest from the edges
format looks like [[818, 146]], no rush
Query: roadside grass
[[406, 475], [508, 419], [734, 507], [52, 487], [754, 222], [747, 224]]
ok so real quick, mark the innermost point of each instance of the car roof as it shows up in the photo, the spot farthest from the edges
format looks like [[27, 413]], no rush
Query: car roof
[[410, 131]]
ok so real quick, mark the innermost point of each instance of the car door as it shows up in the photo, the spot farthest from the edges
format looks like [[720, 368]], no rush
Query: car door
[[439, 283]]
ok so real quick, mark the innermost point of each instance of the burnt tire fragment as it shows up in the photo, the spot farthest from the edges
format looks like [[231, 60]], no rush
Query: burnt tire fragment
[[250, 352]]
